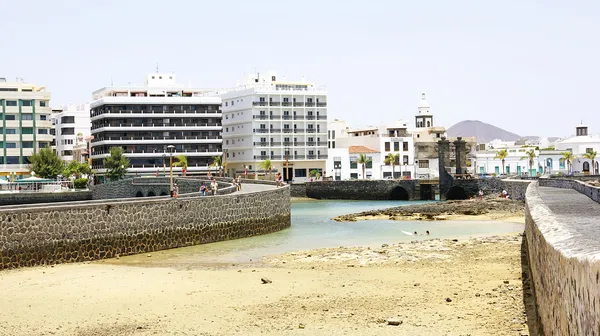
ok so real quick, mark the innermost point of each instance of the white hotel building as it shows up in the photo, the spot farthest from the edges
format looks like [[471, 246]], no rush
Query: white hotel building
[[270, 118], [72, 124], [144, 120]]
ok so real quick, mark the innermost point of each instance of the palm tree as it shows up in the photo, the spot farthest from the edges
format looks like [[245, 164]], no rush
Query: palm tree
[[391, 159], [530, 156], [315, 173], [591, 156], [502, 154], [363, 160], [217, 163], [569, 157], [181, 162], [266, 165]]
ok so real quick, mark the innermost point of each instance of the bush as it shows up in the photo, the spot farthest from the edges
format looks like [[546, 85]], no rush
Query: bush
[[80, 183]]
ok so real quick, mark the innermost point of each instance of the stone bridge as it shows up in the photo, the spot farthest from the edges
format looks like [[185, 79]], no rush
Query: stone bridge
[[369, 190], [40, 234]]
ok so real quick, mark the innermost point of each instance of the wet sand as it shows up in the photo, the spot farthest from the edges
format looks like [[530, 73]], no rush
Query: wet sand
[[433, 287]]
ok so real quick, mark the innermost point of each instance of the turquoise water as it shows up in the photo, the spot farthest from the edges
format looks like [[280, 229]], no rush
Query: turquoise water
[[312, 228]]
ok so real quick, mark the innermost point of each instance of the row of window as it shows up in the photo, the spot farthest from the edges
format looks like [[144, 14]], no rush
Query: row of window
[[24, 144], [24, 116], [24, 130], [396, 146], [42, 103]]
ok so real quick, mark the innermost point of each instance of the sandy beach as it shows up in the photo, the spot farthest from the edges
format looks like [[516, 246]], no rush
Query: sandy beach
[[430, 287]]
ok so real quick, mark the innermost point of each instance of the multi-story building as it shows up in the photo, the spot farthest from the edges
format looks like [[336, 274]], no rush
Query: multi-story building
[[144, 120], [376, 143], [25, 124], [578, 145], [72, 125], [269, 118]]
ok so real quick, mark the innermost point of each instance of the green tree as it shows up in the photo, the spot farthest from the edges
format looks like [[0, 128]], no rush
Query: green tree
[[315, 173], [530, 156], [181, 162], [266, 165], [569, 157], [77, 169], [46, 163], [502, 154], [591, 156], [217, 163], [391, 159], [116, 164], [363, 160]]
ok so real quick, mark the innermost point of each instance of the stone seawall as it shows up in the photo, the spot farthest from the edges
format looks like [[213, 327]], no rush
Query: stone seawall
[[298, 190], [94, 230], [564, 259], [362, 190], [44, 197], [582, 187], [151, 186]]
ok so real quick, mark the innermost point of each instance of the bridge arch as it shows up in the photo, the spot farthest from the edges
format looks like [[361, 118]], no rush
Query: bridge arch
[[398, 193], [139, 194], [456, 193], [151, 194]]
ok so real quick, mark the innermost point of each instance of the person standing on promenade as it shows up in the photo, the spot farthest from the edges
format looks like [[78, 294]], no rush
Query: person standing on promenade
[[214, 186], [203, 189], [239, 183]]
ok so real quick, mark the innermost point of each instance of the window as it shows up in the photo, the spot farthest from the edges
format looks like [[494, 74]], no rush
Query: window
[[43, 103], [387, 146], [405, 146], [300, 173], [43, 144], [10, 117], [370, 163], [26, 102], [27, 130], [26, 116], [27, 144], [396, 146], [405, 159], [423, 163], [354, 176], [11, 103], [353, 164], [333, 134], [11, 145], [333, 144], [43, 117], [67, 152], [11, 131]]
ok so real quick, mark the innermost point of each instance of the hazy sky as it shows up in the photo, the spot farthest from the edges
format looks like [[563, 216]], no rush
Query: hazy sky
[[530, 67]]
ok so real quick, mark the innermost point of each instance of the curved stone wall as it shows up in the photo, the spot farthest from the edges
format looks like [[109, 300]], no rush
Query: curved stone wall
[[14, 198], [359, 189], [564, 257], [93, 230], [151, 186]]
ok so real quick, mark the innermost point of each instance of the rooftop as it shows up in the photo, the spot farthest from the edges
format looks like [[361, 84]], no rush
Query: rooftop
[[361, 150]]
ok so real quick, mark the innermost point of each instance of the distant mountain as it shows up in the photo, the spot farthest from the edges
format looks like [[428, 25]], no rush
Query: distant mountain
[[480, 130]]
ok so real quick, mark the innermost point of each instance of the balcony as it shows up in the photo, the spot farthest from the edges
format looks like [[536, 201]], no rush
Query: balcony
[[149, 112], [298, 130], [299, 143], [287, 117], [260, 144], [267, 157], [272, 103], [138, 138], [322, 156], [322, 117], [260, 103], [287, 130], [300, 104], [261, 130], [297, 117], [205, 151], [274, 116], [286, 104], [310, 117], [156, 125], [321, 104], [310, 104], [316, 143], [260, 117], [311, 130]]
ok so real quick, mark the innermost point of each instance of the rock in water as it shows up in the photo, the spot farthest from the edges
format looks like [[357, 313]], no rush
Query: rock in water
[[394, 321], [265, 280]]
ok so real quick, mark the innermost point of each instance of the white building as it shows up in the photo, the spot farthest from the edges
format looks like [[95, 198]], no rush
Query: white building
[[580, 144], [145, 119], [72, 123], [376, 143], [516, 163], [426, 136], [25, 124], [270, 118]]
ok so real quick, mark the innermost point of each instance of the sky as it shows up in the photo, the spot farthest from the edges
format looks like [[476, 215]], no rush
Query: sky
[[530, 67]]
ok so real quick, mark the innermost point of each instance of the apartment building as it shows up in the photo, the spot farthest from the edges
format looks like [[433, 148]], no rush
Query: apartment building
[[376, 143], [144, 120], [25, 124], [71, 127], [270, 118]]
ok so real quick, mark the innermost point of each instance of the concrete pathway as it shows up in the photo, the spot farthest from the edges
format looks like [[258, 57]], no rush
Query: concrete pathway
[[577, 213], [251, 188]]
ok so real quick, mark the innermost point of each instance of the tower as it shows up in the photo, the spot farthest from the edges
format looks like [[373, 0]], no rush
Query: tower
[[581, 130], [424, 118]]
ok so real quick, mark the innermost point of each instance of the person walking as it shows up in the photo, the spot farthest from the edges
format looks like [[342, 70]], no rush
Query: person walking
[[203, 189], [239, 183], [214, 187]]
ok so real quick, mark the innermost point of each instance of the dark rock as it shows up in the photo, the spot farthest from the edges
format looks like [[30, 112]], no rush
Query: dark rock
[[265, 280], [394, 321], [448, 300]]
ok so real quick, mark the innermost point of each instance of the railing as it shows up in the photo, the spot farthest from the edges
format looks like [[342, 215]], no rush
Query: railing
[[286, 103], [260, 104], [295, 104], [97, 113], [210, 137], [274, 116], [298, 104], [321, 104], [267, 157], [160, 151], [297, 117], [158, 125], [260, 117]]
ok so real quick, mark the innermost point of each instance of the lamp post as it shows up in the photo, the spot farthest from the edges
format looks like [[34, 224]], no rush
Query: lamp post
[[171, 148]]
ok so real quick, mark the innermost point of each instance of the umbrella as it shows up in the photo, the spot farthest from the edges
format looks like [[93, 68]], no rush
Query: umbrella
[[33, 179]]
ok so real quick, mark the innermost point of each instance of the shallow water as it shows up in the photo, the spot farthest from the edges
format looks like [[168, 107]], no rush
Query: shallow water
[[312, 228]]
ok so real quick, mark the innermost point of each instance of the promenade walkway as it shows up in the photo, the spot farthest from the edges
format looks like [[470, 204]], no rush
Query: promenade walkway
[[577, 213]]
